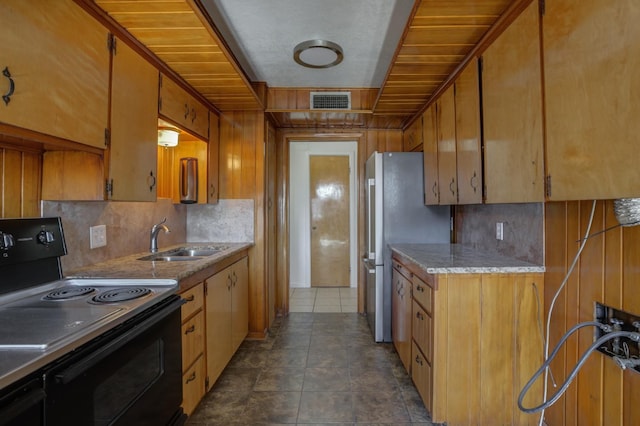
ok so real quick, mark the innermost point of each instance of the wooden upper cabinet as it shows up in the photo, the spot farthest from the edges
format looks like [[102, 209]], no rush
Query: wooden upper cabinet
[[430, 151], [446, 131], [512, 112], [468, 138], [212, 161], [55, 59], [591, 63], [412, 137], [179, 107], [134, 127]]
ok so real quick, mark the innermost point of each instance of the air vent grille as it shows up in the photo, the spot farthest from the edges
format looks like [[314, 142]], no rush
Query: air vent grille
[[330, 100]]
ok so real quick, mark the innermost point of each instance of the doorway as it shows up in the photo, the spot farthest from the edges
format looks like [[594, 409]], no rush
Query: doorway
[[326, 158]]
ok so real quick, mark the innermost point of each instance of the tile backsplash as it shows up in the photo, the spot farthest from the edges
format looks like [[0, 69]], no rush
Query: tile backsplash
[[128, 225], [523, 229]]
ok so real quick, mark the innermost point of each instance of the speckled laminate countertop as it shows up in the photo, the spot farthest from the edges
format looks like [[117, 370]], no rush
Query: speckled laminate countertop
[[131, 267], [459, 259]]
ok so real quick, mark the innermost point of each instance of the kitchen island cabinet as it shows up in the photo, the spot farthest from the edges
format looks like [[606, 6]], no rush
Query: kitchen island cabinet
[[475, 329]]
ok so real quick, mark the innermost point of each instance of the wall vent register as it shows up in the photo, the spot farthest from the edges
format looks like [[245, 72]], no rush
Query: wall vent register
[[330, 100]]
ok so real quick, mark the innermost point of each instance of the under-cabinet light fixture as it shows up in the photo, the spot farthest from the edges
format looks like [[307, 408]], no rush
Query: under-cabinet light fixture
[[168, 137]]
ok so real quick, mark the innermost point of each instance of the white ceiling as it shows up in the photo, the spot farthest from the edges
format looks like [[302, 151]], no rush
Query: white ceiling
[[263, 33]]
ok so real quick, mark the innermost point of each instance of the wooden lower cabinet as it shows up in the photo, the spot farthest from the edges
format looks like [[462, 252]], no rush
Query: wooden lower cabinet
[[193, 381], [227, 316], [475, 343], [401, 308], [193, 365]]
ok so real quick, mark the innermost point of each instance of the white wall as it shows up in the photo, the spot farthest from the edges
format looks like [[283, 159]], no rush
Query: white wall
[[299, 224]]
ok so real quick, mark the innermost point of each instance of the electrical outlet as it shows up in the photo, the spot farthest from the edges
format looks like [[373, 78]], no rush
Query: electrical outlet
[[97, 236], [500, 231]]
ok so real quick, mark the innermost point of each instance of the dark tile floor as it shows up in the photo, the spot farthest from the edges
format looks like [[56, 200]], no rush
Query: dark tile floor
[[314, 368]]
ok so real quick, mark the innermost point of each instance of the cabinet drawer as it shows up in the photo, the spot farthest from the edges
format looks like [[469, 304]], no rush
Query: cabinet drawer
[[421, 325], [402, 269], [193, 386], [192, 340], [421, 376], [422, 293], [195, 301]]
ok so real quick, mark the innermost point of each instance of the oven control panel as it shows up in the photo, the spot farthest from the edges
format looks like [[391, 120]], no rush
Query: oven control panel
[[29, 239]]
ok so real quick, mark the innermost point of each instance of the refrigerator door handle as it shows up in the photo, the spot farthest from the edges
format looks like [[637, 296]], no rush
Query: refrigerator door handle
[[371, 185], [371, 269]]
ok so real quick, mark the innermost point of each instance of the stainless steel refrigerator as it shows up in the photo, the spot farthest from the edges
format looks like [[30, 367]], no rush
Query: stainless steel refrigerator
[[395, 213]]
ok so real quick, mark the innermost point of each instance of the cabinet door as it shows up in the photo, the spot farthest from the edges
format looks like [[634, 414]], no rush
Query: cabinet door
[[468, 153], [512, 113], [213, 151], [401, 317], [430, 152], [412, 137], [133, 150], [591, 63], [239, 302], [193, 381], [58, 59], [447, 174], [218, 323], [421, 376], [182, 109]]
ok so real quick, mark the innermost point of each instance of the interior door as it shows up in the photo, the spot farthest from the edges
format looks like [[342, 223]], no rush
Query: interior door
[[329, 210]]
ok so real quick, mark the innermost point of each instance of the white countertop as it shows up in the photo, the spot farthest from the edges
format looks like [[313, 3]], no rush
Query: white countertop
[[459, 259]]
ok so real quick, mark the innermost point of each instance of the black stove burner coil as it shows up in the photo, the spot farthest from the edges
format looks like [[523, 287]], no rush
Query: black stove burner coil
[[121, 295], [66, 293]]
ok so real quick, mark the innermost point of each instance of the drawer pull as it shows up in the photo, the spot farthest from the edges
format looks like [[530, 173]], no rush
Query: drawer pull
[[190, 298], [191, 378], [190, 329], [419, 316], [420, 288], [418, 360], [12, 86]]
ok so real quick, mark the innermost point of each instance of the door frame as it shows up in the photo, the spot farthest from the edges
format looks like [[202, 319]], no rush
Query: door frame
[[299, 213]]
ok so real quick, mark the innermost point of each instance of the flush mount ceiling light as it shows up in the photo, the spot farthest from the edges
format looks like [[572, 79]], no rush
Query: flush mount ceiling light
[[168, 137], [318, 54]]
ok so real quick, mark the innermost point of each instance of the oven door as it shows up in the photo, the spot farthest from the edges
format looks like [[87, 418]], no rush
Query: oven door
[[130, 377]]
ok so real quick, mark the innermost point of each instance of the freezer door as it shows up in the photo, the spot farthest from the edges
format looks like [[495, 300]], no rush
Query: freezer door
[[375, 300], [370, 218]]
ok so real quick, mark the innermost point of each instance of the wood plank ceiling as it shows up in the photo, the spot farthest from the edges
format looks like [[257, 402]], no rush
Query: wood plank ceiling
[[439, 38]]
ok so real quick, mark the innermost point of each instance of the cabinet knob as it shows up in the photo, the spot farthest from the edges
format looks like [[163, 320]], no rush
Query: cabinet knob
[[12, 86]]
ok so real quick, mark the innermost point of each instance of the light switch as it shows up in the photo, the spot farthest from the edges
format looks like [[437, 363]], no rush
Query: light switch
[[97, 236], [499, 231]]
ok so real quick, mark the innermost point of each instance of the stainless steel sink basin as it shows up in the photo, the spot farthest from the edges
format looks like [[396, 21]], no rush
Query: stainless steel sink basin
[[184, 254]]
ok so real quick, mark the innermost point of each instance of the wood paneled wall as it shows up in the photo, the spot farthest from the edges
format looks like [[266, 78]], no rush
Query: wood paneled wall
[[20, 177], [608, 272], [242, 176], [368, 142]]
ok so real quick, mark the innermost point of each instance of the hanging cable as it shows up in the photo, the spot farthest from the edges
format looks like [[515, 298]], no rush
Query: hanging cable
[[555, 297], [635, 336]]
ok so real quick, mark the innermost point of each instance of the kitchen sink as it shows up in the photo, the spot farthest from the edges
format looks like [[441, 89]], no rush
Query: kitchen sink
[[184, 254]]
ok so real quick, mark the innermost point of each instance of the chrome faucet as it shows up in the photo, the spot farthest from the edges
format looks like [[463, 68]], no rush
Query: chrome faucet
[[155, 230]]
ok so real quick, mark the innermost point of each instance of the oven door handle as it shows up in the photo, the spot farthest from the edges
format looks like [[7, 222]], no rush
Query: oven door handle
[[95, 357]]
